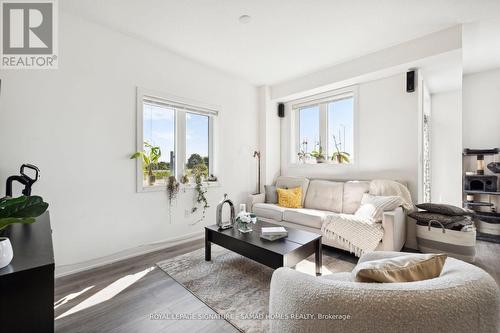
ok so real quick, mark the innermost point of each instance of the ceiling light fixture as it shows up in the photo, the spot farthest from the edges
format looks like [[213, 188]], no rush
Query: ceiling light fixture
[[244, 19]]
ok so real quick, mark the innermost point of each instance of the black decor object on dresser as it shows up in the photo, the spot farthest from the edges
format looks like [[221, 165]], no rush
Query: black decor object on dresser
[[27, 283]]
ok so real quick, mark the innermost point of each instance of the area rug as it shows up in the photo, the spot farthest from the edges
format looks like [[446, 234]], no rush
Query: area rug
[[235, 287]]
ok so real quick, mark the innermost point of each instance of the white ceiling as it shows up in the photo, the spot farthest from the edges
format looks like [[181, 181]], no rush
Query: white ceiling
[[285, 38]]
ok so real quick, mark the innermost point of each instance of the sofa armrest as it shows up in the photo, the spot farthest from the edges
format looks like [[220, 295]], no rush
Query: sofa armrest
[[253, 199], [394, 224]]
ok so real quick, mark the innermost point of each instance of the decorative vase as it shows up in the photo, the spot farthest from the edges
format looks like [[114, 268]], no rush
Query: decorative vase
[[320, 160], [244, 227], [151, 180], [6, 253]]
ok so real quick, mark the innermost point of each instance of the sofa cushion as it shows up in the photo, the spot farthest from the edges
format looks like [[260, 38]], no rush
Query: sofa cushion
[[293, 182], [271, 194], [373, 207], [325, 195], [407, 268], [353, 192], [290, 198], [445, 209], [269, 211], [308, 217]]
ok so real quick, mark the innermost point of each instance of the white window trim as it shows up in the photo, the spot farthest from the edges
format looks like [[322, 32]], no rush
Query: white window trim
[[181, 106], [294, 105]]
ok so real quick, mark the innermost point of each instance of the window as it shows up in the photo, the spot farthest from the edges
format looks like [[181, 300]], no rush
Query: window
[[158, 131], [341, 130], [175, 136], [325, 128], [197, 142], [309, 128]]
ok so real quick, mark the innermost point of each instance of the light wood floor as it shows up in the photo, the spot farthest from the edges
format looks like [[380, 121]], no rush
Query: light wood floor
[[121, 297]]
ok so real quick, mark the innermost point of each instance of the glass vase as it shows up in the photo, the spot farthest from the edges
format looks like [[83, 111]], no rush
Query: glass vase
[[244, 227]]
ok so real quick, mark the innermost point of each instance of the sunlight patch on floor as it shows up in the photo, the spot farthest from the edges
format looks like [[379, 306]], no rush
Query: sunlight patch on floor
[[70, 297], [108, 292], [309, 267]]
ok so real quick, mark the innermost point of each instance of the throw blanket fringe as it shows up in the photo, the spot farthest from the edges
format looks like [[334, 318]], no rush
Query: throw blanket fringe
[[359, 235]]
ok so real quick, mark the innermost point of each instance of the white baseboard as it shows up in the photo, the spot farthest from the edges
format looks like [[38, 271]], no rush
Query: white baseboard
[[64, 270]]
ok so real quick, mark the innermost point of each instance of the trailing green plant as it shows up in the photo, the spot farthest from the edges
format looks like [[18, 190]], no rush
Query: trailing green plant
[[200, 172], [172, 189], [23, 209], [150, 156]]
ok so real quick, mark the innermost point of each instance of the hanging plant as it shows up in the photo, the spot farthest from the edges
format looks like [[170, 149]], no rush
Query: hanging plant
[[172, 189], [200, 172]]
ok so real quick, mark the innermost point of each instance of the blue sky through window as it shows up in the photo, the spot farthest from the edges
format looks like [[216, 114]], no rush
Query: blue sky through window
[[159, 128], [340, 124], [309, 128]]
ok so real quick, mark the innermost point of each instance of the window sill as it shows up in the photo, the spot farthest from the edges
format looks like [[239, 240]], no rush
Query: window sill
[[324, 165], [163, 187]]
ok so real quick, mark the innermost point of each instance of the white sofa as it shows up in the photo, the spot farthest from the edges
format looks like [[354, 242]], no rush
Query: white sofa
[[463, 299], [323, 197]]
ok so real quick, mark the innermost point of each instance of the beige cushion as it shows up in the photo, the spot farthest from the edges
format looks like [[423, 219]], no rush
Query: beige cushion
[[407, 268], [293, 182], [269, 211], [353, 192], [308, 217], [325, 195], [373, 207]]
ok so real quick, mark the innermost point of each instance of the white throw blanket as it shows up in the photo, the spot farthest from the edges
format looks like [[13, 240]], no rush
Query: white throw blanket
[[360, 234]]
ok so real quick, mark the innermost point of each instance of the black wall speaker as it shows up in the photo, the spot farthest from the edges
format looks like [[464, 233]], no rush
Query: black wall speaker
[[281, 110], [410, 81]]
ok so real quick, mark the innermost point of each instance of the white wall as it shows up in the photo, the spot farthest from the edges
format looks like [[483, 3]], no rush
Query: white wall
[[387, 137], [78, 125], [269, 137], [481, 110], [446, 148]]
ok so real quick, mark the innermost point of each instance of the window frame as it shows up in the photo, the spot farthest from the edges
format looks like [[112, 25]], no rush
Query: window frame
[[181, 106], [322, 101]]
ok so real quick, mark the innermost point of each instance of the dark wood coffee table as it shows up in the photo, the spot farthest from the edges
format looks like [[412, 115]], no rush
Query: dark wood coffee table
[[284, 252]]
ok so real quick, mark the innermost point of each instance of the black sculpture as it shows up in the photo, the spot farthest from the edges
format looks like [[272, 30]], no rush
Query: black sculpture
[[24, 179]]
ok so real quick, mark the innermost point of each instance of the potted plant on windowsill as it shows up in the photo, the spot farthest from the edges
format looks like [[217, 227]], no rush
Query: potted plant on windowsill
[[318, 155], [339, 155], [149, 160]]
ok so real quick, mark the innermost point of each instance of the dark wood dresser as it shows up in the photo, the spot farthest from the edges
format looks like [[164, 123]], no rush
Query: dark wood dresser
[[27, 283]]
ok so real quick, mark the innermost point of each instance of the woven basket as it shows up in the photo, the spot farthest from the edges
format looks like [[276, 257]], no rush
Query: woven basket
[[456, 244]]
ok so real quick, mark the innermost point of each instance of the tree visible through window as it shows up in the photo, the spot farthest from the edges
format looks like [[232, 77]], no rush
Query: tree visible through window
[[197, 142], [174, 138]]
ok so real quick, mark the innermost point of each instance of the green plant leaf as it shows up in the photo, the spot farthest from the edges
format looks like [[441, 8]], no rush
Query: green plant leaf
[[136, 155], [4, 222], [21, 207]]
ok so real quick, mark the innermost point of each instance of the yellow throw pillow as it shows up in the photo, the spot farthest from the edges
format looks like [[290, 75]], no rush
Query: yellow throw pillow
[[405, 268], [290, 198]]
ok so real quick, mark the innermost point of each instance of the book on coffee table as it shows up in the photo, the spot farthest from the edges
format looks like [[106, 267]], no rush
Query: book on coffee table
[[272, 237], [273, 231]]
